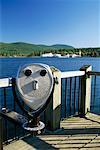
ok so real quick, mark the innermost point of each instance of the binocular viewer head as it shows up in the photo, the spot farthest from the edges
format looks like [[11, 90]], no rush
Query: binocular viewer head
[[35, 84]]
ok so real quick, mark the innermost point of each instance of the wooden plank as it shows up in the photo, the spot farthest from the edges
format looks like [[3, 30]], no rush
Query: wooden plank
[[69, 146], [82, 137], [72, 74], [93, 117], [79, 124]]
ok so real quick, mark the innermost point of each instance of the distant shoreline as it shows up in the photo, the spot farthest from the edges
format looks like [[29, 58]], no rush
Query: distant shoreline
[[18, 57], [49, 57]]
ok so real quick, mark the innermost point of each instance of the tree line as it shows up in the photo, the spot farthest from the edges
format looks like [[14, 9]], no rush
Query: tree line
[[90, 52]]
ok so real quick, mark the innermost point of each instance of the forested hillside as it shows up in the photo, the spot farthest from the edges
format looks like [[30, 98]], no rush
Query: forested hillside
[[29, 50]]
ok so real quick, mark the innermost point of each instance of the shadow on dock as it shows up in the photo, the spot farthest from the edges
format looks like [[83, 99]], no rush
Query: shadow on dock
[[75, 133]]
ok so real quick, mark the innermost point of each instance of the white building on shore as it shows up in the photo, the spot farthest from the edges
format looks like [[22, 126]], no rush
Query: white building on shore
[[47, 55], [51, 55], [59, 55]]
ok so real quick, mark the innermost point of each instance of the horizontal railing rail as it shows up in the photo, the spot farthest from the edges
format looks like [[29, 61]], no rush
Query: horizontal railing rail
[[5, 82], [72, 74], [93, 73]]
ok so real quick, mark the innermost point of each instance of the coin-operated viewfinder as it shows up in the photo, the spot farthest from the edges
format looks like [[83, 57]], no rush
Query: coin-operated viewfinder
[[31, 89], [34, 84]]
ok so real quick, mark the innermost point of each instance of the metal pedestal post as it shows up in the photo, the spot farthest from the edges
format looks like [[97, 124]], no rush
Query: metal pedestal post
[[1, 136]]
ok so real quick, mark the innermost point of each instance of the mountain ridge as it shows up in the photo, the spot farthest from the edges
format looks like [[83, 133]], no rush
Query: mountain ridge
[[35, 46]]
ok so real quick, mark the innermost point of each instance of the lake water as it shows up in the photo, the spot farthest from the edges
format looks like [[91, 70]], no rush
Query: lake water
[[9, 67]]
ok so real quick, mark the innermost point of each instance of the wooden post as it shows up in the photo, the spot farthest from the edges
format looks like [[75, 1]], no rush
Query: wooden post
[[53, 111], [85, 98], [1, 136]]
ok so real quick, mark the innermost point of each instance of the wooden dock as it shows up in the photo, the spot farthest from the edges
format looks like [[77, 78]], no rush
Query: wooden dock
[[75, 133]]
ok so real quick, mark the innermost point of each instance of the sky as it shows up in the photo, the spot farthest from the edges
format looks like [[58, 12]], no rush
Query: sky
[[70, 22]]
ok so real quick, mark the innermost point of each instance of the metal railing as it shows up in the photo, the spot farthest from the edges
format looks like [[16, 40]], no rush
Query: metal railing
[[70, 91], [1, 134], [71, 86], [11, 131], [95, 91]]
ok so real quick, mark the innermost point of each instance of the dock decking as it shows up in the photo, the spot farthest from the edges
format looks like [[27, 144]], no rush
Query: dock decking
[[75, 133]]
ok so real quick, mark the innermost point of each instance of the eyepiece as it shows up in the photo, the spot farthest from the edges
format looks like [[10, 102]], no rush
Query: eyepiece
[[43, 72], [28, 72]]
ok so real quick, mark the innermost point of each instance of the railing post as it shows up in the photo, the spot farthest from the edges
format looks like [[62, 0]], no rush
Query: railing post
[[53, 111], [1, 136], [84, 103]]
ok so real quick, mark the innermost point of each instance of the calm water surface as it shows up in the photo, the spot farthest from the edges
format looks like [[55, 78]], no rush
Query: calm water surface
[[9, 67]]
